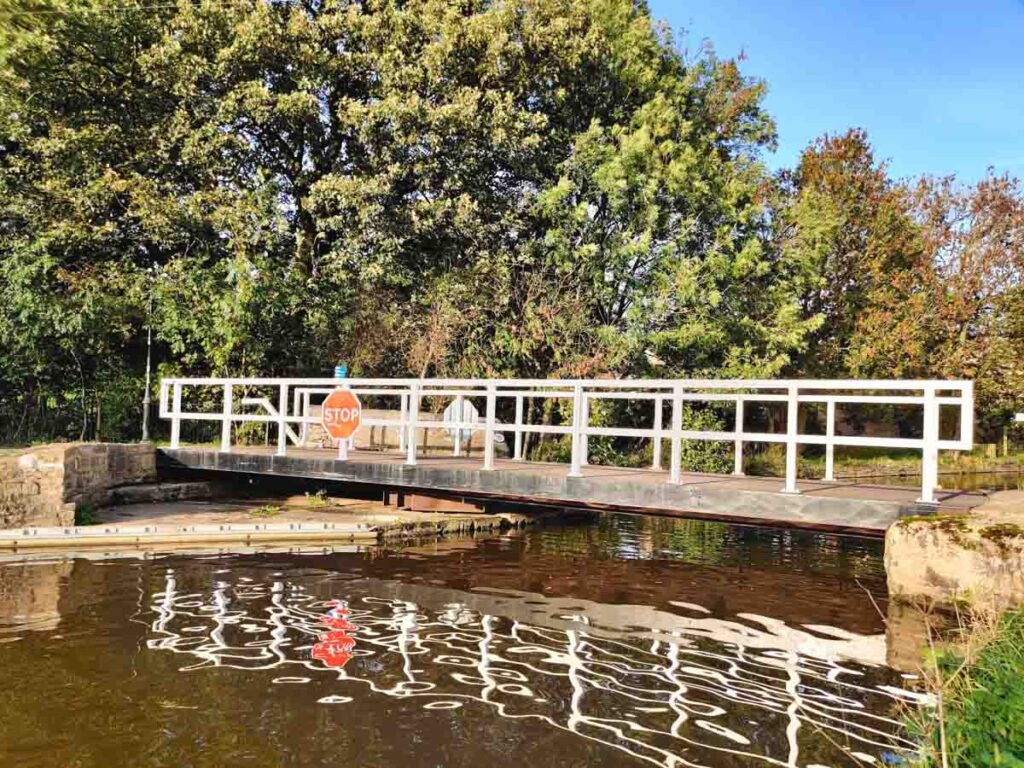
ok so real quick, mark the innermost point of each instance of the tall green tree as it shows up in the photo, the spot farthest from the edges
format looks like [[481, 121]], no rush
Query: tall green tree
[[533, 187], [848, 230]]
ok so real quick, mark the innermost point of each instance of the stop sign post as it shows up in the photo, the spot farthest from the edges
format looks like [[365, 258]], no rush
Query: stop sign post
[[340, 415]]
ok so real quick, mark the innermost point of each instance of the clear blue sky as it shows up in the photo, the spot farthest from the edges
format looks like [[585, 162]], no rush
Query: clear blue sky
[[939, 86]]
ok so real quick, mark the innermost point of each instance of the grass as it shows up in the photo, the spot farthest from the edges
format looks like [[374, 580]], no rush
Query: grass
[[319, 499], [978, 687], [84, 516], [267, 510], [876, 461]]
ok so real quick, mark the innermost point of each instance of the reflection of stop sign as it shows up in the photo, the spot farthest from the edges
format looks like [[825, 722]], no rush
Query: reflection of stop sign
[[341, 413]]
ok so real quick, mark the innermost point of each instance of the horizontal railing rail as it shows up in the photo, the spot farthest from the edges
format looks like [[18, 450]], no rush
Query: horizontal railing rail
[[294, 407]]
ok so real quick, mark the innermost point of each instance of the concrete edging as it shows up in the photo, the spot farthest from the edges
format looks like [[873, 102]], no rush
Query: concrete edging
[[138, 535]]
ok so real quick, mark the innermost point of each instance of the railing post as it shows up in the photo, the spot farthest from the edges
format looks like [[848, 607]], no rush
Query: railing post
[[492, 408], [518, 453], [411, 418], [282, 413], [675, 467], [656, 448], [830, 432], [792, 428], [577, 446], [930, 450], [967, 414], [225, 425], [737, 466], [403, 411], [304, 433], [584, 426], [457, 438], [176, 415]]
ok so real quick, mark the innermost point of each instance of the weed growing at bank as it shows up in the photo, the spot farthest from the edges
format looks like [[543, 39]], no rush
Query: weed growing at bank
[[84, 516], [267, 510], [979, 715]]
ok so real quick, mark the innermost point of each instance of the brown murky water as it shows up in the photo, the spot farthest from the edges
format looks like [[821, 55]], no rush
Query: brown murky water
[[634, 641]]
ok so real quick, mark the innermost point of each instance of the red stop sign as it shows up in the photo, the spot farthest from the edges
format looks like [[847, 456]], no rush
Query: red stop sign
[[341, 414]]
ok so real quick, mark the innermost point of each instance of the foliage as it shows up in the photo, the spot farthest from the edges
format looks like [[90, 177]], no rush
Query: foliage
[[428, 187], [980, 701], [266, 510], [525, 188], [85, 516]]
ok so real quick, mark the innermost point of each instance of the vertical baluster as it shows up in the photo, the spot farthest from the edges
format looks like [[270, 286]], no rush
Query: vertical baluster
[[792, 427], [675, 468], [930, 449], [403, 413], [176, 416], [518, 455], [656, 448], [457, 438], [411, 420], [225, 424], [577, 446], [830, 433], [282, 414], [492, 407], [737, 468]]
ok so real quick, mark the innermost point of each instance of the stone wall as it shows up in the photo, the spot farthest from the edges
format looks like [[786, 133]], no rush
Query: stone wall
[[44, 485], [976, 558]]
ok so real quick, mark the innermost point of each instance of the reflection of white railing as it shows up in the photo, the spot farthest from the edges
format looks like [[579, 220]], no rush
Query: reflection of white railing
[[684, 692], [294, 402]]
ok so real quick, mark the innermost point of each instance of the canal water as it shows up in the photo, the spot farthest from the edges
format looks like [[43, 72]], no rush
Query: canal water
[[628, 642]]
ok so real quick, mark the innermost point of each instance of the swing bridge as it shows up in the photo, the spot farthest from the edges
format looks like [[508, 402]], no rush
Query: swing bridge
[[826, 414]]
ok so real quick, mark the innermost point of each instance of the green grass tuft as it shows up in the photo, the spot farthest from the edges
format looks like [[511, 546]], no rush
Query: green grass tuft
[[982, 704], [84, 516], [267, 510]]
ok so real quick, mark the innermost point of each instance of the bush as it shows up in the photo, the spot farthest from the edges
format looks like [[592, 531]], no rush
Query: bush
[[982, 703]]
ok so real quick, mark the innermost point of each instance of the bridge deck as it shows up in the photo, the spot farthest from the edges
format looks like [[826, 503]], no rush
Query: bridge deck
[[842, 506]]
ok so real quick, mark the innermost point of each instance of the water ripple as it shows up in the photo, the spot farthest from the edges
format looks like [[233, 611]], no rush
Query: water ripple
[[676, 693]]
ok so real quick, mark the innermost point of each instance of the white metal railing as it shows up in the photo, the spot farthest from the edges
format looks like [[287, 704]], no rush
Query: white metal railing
[[294, 403]]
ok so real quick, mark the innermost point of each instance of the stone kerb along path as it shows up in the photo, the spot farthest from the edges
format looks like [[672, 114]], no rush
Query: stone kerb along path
[[977, 557], [42, 486]]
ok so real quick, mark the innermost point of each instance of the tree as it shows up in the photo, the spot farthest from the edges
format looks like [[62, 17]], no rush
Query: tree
[[849, 231], [530, 187], [956, 313]]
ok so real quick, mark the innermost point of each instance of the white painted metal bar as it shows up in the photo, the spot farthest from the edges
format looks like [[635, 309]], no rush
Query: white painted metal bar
[[403, 416], [585, 429], [489, 428], [830, 446], [176, 416], [518, 451], [282, 423], [598, 384], [411, 417], [575, 467], [929, 396], [659, 403], [675, 468], [737, 460], [792, 429], [225, 425], [457, 433], [930, 452]]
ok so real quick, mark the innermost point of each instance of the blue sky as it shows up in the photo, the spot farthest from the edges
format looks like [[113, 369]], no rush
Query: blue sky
[[939, 86]]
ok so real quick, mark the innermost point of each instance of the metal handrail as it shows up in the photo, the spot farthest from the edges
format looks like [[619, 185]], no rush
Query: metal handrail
[[930, 395]]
